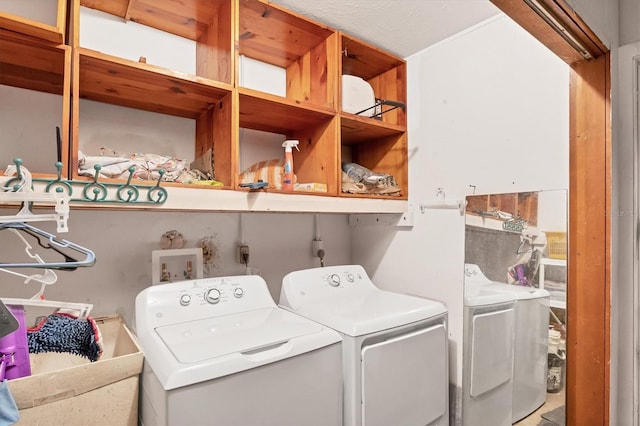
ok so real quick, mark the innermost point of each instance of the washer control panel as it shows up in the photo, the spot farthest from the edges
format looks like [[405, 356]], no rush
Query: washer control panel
[[202, 298]]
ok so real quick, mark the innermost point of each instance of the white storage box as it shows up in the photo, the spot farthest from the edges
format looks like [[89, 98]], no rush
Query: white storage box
[[71, 390]]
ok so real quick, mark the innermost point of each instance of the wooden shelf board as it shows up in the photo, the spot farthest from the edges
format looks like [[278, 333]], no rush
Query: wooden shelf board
[[372, 197], [270, 113], [270, 34], [131, 84], [356, 129], [187, 198], [31, 66], [184, 18], [365, 61], [31, 28]]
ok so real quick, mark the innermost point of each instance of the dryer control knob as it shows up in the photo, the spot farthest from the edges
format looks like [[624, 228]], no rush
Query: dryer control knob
[[334, 280], [350, 277], [185, 299], [212, 296], [238, 292]]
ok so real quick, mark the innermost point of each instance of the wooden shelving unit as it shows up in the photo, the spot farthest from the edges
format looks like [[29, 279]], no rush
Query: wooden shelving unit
[[24, 18], [521, 205], [378, 144], [312, 56], [33, 65]]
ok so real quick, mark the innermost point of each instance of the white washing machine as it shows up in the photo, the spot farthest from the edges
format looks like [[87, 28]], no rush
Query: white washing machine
[[219, 351], [488, 353], [531, 341], [395, 347]]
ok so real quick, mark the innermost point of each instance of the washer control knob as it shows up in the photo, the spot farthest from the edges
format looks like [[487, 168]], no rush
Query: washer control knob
[[212, 296], [238, 292], [334, 280], [350, 277], [185, 299]]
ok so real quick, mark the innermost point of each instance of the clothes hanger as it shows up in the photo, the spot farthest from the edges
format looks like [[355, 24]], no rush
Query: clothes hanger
[[89, 259], [47, 278], [17, 190], [82, 309], [67, 258]]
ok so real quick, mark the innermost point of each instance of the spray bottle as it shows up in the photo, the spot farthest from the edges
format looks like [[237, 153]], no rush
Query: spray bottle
[[287, 181]]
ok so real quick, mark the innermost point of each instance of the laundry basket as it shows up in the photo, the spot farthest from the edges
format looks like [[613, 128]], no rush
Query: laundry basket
[[556, 244], [71, 390]]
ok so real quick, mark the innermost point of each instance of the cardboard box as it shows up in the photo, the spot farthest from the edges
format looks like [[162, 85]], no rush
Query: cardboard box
[[71, 390], [310, 187]]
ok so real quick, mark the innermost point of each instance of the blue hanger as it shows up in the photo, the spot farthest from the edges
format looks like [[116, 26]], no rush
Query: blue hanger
[[90, 257]]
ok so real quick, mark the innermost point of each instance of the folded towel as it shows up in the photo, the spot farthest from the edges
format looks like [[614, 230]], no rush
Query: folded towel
[[8, 408], [65, 333]]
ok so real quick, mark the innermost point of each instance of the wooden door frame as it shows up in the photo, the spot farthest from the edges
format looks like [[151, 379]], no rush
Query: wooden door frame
[[589, 267]]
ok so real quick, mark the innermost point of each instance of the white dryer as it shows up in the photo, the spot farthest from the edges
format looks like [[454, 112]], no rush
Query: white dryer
[[395, 346], [219, 351], [531, 341], [488, 351]]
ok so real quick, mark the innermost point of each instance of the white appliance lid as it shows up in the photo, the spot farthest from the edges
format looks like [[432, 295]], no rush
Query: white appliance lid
[[479, 294], [344, 298], [245, 332], [519, 292], [188, 336], [367, 312], [474, 275]]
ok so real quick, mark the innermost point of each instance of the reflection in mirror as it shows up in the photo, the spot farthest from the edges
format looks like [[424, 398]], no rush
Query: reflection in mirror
[[515, 307]]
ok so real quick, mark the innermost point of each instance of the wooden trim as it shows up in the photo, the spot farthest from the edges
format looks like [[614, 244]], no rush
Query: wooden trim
[[572, 21], [588, 292], [528, 19], [589, 281]]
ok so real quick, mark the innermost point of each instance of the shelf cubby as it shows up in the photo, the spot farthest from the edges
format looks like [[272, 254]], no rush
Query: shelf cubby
[[315, 127], [377, 143], [304, 49], [207, 23], [35, 81], [43, 20], [386, 74], [144, 87], [172, 58]]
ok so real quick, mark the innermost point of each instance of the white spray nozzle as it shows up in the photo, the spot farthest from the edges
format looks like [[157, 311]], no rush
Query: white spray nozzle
[[290, 143]]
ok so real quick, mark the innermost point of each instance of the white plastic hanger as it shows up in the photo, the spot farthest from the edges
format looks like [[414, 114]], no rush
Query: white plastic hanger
[[47, 278], [89, 260], [21, 194]]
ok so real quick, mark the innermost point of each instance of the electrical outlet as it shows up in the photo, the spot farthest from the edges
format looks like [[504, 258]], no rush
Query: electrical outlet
[[316, 246], [243, 254]]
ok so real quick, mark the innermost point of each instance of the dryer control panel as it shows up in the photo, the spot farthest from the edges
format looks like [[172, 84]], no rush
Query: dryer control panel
[[202, 298], [324, 283]]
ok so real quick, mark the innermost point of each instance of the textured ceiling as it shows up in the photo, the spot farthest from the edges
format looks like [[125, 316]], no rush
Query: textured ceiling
[[403, 27]]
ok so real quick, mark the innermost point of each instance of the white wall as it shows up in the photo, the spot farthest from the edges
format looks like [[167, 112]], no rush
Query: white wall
[[489, 108], [629, 17], [123, 242], [623, 211], [29, 119], [601, 16]]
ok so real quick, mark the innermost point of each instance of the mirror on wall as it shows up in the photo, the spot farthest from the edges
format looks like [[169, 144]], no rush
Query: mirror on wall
[[515, 299]]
